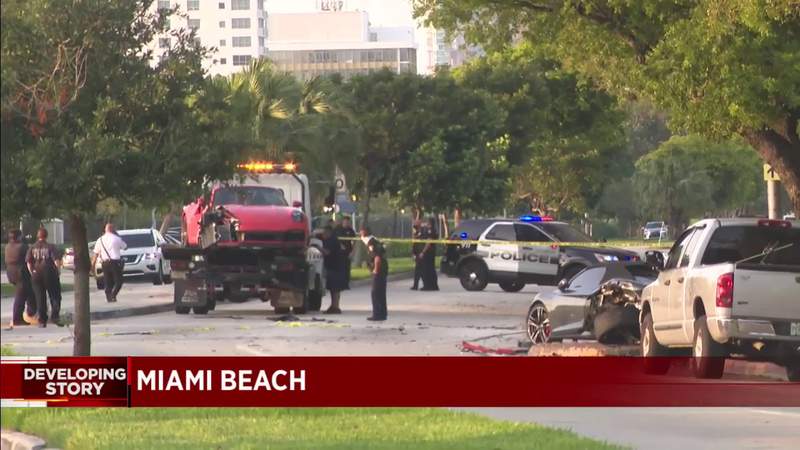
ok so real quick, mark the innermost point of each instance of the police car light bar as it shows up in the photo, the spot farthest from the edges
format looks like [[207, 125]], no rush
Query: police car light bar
[[268, 167], [529, 218]]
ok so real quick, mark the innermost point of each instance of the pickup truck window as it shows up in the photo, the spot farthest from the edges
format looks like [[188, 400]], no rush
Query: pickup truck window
[[734, 243], [677, 249], [691, 244]]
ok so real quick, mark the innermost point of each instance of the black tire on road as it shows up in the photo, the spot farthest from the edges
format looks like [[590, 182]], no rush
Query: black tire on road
[[473, 276], [202, 310], [708, 355], [793, 371], [617, 325], [158, 277], [233, 293], [656, 356], [511, 286], [180, 309], [537, 324]]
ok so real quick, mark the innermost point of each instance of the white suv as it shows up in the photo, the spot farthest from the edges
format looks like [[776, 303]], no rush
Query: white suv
[[143, 256]]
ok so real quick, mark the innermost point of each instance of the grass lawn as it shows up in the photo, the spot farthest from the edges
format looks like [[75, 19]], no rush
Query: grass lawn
[[6, 350], [281, 428], [7, 290], [396, 265]]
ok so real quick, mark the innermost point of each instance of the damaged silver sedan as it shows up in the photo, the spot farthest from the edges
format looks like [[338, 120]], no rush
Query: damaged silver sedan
[[597, 303]]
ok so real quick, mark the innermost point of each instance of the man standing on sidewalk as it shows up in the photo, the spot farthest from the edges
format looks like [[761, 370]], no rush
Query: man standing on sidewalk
[[380, 271], [41, 260], [18, 275], [108, 249]]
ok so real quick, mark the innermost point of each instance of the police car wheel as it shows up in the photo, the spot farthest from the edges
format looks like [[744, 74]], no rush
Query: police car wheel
[[473, 276], [511, 286], [538, 324]]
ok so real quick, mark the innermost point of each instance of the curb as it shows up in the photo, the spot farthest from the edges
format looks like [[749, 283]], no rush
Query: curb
[[589, 349], [14, 440]]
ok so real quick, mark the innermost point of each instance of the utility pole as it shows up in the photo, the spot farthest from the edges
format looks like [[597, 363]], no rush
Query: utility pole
[[773, 192]]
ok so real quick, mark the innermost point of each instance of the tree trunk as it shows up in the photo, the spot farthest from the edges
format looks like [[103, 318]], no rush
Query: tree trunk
[[165, 223], [82, 321], [782, 152], [358, 253], [456, 217]]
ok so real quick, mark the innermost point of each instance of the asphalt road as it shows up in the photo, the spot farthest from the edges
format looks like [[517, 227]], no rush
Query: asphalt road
[[420, 323]]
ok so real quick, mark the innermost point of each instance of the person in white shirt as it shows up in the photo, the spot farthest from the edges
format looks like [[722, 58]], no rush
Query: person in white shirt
[[108, 249]]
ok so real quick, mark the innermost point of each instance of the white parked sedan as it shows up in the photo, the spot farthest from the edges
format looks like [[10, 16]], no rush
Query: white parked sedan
[[143, 256]]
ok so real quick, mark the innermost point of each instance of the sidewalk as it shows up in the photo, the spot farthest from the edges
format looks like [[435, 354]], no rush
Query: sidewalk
[[136, 298]]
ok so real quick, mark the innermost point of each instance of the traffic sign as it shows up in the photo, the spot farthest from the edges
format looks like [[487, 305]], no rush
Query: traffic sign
[[770, 174]]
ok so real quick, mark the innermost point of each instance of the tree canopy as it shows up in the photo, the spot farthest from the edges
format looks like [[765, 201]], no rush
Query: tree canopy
[[717, 67]]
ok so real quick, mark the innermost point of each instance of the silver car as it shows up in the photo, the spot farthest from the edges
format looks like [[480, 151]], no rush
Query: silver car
[[589, 302]]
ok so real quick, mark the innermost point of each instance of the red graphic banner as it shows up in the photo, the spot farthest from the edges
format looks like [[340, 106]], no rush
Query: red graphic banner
[[373, 381]]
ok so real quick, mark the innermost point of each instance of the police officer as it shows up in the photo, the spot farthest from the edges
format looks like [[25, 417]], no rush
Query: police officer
[[379, 266], [19, 276], [416, 253], [429, 277], [345, 230], [108, 249], [41, 260]]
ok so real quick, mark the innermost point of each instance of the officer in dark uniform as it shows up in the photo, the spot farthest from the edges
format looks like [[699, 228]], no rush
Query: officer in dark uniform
[[345, 230], [416, 253], [429, 276], [379, 265], [18, 275], [41, 260]]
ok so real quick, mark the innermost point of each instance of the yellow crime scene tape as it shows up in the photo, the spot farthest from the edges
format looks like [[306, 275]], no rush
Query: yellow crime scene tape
[[618, 244]]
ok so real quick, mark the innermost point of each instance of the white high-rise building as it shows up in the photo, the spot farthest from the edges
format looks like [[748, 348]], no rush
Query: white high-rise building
[[235, 30]]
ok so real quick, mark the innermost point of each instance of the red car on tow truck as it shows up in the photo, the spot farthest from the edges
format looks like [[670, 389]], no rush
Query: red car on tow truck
[[247, 237]]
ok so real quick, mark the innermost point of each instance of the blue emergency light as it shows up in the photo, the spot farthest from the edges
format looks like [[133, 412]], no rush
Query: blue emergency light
[[530, 218], [464, 235]]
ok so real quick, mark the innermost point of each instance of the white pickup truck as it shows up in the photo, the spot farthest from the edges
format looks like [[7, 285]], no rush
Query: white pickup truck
[[728, 288]]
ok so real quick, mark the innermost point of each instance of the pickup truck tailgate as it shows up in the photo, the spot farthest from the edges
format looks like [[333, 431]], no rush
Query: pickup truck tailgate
[[769, 292]]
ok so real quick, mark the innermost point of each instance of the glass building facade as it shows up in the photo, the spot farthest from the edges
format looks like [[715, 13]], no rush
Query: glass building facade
[[307, 64]]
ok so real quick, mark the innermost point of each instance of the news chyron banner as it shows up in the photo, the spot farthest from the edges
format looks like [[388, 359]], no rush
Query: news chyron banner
[[374, 381]]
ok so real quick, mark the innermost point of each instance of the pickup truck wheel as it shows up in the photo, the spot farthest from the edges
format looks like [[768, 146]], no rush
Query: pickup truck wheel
[[655, 354], [473, 276], [709, 356], [511, 286], [793, 371]]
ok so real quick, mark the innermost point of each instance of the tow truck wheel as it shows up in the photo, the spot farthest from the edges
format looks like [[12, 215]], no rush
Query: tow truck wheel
[[709, 356], [200, 309], [655, 361], [179, 290], [511, 286], [473, 276], [180, 309]]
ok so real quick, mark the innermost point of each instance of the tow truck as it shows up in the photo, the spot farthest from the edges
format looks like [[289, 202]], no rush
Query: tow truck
[[247, 237]]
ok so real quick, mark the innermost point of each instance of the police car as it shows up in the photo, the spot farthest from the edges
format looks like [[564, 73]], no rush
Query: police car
[[504, 258]]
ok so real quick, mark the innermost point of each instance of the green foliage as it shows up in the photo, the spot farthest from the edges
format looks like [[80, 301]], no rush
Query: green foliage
[[565, 137], [428, 141], [717, 67], [689, 177], [86, 117]]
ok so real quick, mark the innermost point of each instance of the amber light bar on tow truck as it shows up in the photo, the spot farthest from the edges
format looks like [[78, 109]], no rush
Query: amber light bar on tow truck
[[268, 167]]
